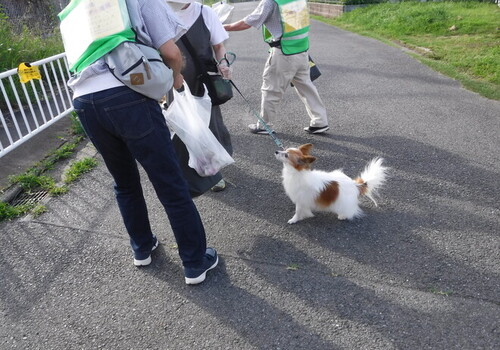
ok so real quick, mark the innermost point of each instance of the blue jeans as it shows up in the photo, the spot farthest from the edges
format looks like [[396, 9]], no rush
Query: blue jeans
[[126, 127]]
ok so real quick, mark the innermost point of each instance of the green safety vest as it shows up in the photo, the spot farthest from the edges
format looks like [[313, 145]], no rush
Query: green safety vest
[[294, 16], [85, 55]]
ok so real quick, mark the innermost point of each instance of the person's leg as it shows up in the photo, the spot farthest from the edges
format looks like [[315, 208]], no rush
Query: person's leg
[[308, 93], [120, 164], [156, 154], [276, 77], [121, 116]]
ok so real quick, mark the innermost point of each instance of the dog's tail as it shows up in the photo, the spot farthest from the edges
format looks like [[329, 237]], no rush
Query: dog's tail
[[372, 178]]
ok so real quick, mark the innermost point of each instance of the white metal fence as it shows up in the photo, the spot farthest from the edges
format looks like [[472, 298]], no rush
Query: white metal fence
[[27, 109]]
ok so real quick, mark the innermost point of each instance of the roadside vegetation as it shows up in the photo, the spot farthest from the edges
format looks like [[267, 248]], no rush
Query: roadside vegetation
[[36, 178], [25, 44], [78, 168], [28, 45], [458, 39]]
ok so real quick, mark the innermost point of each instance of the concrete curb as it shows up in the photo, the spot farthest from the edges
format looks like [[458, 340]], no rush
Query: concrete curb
[[86, 149]]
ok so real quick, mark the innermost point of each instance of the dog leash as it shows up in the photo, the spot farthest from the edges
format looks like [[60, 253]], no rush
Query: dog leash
[[276, 140]]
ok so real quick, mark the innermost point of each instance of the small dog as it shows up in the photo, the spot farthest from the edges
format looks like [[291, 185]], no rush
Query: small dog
[[316, 190]]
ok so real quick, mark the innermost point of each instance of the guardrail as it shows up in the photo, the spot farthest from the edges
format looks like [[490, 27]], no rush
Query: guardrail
[[27, 109]]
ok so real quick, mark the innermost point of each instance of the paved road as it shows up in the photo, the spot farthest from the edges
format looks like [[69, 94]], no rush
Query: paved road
[[421, 271]]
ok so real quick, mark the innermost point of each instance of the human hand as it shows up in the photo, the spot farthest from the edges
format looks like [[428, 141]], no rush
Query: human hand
[[226, 71], [178, 81]]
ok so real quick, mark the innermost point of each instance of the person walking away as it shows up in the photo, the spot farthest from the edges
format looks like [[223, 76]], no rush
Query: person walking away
[[206, 36], [126, 127], [285, 26]]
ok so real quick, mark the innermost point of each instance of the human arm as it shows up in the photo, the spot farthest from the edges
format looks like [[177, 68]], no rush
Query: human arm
[[218, 35], [161, 28], [256, 19], [219, 52], [236, 26], [172, 57]]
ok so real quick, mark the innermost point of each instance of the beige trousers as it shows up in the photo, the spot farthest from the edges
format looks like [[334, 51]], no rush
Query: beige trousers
[[279, 72]]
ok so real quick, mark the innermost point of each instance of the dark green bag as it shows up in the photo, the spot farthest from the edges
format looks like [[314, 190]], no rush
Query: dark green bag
[[219, 89]]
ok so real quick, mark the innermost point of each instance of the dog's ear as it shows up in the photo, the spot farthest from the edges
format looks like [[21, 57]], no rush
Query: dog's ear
[[305, 149], [308, 159]]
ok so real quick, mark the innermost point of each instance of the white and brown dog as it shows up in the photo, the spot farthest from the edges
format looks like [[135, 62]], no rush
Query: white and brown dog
[[316, 190]]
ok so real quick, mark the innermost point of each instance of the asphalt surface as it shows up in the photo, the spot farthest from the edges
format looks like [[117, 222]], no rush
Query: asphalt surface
[[420, 271]]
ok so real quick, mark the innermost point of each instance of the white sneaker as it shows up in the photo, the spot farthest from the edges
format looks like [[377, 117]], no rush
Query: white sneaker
[[196, 275], [316, 129], [258, 129], [147, 261], [219, 186]]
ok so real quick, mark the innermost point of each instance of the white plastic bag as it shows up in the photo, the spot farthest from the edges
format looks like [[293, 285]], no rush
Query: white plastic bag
[[223, 10], [188, 116]]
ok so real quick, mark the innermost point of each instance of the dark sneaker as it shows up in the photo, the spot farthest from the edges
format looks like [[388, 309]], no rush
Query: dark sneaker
[[147, 261], [219, 186], [258, 129], [316, 129], [195, 275]]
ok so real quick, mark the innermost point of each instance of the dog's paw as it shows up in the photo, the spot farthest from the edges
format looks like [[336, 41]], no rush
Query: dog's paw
[[342, 217], [292, 220]]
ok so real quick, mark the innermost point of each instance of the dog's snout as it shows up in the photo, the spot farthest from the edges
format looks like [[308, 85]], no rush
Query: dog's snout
[[276, 152]]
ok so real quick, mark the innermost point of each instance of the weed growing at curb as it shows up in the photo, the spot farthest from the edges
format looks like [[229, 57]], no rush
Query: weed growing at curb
[[32, 179], [38, 210], [61, 153], [76, 126], [58, 190], [78, 168], [9, 212], [440, 292], [29, 181]]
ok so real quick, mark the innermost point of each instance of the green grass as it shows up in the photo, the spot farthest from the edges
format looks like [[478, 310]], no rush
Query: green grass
[[440, 292], [349, 2], [29, 181], [459, 39], [209, 2], [9, 212], [58, 190], [76, 125], [38, 210], [33, 178], [25, 46], [78, 168], [62, 152]]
